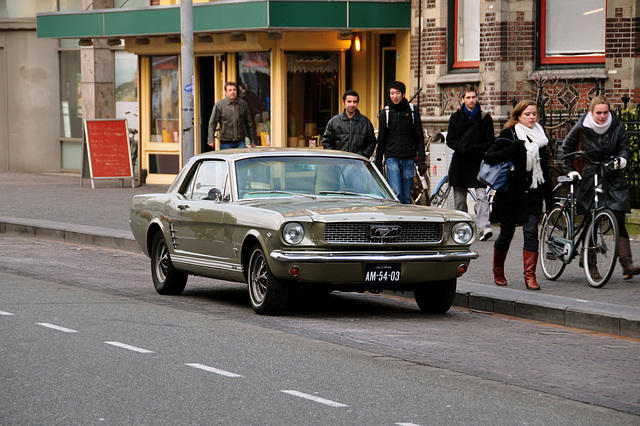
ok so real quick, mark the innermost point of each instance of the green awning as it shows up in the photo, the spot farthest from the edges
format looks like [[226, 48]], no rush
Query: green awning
[[225, 16]]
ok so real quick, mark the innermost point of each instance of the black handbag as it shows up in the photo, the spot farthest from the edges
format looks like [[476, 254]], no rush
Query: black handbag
[[496, 176]]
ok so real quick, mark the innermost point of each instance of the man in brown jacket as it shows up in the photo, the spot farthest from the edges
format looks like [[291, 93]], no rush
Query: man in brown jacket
[[232, 113]]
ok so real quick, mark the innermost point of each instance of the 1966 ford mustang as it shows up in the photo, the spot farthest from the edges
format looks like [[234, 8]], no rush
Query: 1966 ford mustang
[[288, 219]]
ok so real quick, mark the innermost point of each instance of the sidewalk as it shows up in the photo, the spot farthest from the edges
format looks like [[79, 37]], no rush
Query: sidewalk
[[54, 206]]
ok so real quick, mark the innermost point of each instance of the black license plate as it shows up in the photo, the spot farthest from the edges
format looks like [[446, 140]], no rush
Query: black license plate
[[384, 273]]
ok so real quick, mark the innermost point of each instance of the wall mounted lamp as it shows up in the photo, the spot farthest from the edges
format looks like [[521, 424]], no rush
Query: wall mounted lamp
[[142, 40], [113, 42], [172, 39], [345, 35], [357, 43], [274, 35], [85, 42]]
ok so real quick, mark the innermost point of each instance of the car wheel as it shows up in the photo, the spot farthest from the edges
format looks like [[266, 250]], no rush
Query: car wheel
[[435, 297], [268, 295], [166, 279]]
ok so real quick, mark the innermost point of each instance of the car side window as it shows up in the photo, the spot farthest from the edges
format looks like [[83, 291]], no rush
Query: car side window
[[209, 182]]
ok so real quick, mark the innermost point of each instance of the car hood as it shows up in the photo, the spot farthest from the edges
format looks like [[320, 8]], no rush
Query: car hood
[[355, 209]]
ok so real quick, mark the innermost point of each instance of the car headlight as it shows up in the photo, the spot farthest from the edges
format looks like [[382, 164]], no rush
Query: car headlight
[[293, 233], [462, 232]]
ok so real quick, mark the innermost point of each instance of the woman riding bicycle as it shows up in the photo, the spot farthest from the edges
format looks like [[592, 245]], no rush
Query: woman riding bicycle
[[523, 142], [603, 136]]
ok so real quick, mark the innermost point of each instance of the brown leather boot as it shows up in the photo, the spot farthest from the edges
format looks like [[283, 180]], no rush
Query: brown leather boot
[[624, 253], [498, 267], [530, 260]]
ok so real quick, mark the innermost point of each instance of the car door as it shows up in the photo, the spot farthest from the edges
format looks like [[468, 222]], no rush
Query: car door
[[199, 227]]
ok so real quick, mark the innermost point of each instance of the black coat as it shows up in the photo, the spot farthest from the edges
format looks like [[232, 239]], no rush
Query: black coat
[[613, 143], [478, 137], [350, 134], [401, 136], [512, 206]]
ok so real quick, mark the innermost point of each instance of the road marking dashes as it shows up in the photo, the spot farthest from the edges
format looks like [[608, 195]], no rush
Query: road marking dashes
[[214, 370], [314, 398], [56, 327], [129, 347], [5, 313]]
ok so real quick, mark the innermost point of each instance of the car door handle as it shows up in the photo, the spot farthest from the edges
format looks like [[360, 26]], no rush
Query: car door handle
[[183, 207]]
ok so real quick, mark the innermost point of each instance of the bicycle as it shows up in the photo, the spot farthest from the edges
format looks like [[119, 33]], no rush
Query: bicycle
[[442, 191], [595, 238]]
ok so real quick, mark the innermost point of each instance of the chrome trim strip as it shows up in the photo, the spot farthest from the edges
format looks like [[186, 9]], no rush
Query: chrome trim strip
[[322, 257]]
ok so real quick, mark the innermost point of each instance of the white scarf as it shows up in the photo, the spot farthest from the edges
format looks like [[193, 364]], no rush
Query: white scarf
[[600, 129], [534, 139]]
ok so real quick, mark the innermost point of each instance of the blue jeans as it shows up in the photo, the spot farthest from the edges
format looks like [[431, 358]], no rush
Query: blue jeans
[[229, 145], [400, 177]]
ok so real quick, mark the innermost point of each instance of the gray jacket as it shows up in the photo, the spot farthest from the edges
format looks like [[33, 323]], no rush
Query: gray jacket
[[234, 119]]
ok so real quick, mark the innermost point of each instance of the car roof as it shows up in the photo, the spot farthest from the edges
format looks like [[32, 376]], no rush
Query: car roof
[[236, 154]]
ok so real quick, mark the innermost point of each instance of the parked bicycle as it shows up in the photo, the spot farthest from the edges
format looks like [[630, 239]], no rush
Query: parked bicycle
[[594, 239]]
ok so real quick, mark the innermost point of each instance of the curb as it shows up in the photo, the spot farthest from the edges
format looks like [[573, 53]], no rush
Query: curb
[[600, 317]]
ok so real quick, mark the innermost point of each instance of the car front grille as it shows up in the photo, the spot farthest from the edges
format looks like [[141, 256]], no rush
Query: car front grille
[[386, 232]]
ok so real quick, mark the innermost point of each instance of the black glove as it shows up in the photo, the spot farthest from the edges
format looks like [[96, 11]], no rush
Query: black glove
[[422, 167]]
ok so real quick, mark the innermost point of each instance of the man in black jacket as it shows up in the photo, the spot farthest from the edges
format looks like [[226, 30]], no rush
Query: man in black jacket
[[350, 131], [470, 134], [401, 142]]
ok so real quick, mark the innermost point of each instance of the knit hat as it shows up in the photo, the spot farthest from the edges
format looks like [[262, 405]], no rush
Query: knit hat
[[398, 85]]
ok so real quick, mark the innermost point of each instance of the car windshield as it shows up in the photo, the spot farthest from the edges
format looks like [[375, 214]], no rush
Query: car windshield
[[309, 176]]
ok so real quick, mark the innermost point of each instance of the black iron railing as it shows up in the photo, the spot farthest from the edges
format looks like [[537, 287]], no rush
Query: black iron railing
[[631, 119]]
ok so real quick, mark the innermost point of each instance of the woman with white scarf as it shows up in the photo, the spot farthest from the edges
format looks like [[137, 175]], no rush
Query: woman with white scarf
[[603, 136], [523, 142]]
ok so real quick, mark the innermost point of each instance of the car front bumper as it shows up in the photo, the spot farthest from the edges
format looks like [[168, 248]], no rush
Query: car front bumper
[[349, 267]]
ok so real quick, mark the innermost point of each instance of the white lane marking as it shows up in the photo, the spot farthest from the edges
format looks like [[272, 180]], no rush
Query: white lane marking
[[56, 327], [407, 424], [314, 398], [5, 313], [214, 370], [131, 348]]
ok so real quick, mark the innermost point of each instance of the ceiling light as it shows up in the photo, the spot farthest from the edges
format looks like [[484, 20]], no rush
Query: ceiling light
[[172, 39], [113, 42], [238, 36], [142, 40], [205, 38], [85, 42], [274, 35]]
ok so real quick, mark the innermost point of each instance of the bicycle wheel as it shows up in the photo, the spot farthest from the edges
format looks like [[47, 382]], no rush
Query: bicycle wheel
[[419, 195], [553, 235], [440, 196], [600, 248]]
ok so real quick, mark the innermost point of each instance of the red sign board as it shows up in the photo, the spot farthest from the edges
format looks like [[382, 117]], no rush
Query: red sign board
[[108, 149]]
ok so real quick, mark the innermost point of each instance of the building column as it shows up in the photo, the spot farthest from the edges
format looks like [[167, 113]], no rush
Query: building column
[[97, 65]]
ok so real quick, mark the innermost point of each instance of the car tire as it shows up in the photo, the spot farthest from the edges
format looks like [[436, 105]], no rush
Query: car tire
[[166, 279], [268, 294], [436, 297]]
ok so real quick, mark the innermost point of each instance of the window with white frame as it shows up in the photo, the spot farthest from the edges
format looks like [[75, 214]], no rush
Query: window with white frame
[[467, 34], [572, 31]]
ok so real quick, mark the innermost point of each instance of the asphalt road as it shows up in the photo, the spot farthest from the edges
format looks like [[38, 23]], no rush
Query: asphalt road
[[86, 339]]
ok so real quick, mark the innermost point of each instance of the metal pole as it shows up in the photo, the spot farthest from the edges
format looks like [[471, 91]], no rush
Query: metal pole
[[186, 61]]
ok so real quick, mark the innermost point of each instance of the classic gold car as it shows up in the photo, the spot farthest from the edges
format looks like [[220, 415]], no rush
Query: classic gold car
[[287, 219]]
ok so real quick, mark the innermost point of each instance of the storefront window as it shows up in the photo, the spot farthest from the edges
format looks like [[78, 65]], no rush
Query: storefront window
[[126, 87], [70, 107], [165, 98], [254, 81], [312, 95]]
